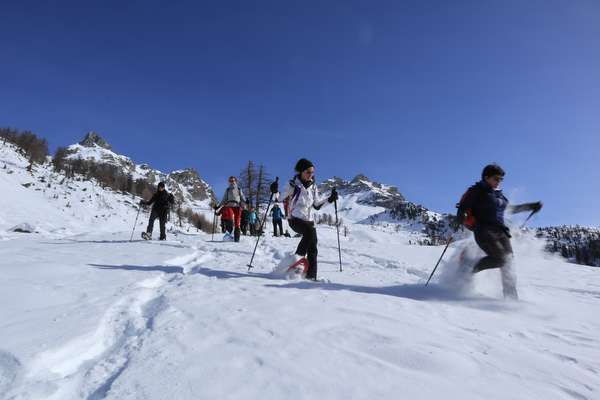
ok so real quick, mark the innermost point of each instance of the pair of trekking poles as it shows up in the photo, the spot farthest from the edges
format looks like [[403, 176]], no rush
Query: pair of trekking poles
[[451, 238], [337, 226]]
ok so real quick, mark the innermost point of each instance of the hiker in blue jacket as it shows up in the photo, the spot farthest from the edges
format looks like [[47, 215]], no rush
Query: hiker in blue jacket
[[252, 220], [277, 220], [482, 210]]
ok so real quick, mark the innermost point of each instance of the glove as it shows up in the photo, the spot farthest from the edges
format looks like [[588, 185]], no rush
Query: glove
[[142, 203], [537, 206], [275, 186], [333, 196]]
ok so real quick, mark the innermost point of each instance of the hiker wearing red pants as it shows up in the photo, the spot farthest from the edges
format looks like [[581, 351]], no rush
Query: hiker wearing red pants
[[231, 208]]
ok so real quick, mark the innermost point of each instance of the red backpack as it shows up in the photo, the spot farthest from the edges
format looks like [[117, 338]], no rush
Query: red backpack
[[470, 221]]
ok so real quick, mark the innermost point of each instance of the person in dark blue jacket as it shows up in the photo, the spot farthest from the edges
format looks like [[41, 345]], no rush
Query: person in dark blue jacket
[[277, 220], [484, 205]]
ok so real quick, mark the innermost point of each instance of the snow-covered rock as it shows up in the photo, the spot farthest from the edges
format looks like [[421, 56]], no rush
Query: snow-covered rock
[[23, 228]]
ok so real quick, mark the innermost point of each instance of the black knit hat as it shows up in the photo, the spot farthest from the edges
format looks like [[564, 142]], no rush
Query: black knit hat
[[161, 185], [302, 165], [492, 170]]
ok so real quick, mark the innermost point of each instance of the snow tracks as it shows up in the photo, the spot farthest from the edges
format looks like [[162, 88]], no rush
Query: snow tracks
[[87, 366]]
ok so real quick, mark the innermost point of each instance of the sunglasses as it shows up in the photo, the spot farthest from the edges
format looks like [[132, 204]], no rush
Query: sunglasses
[[498, 178]]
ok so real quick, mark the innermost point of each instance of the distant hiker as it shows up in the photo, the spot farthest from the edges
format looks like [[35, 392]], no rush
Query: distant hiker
[[482, 210], [161, 202], [231, 211], [277, 220], [252, 221], [244, 219], [227, 220], [301, 197]]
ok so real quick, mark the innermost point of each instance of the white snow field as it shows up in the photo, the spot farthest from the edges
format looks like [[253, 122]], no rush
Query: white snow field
[[87, 314], [93, 316]]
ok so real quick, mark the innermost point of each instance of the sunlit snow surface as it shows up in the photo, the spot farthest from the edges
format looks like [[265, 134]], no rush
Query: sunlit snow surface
[[86, 314]]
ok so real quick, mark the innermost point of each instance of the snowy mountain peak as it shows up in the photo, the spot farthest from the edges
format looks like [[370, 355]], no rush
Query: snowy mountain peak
[[189, 183], [93, 139], [360, 177], [369, 192], [365, 201]]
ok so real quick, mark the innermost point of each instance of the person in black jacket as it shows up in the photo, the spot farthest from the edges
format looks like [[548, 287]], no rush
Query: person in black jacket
[[244, 218], [161, 201], [484, 205]]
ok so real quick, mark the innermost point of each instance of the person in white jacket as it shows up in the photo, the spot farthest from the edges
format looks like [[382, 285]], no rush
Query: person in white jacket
[[301, 197]]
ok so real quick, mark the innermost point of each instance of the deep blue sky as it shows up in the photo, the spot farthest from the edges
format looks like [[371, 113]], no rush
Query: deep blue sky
[[417, 94]]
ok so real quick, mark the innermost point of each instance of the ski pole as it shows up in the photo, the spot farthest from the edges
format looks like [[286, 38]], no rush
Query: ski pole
[[527, 219], [135, 223], [337, 227], [262, 223], [438, 263], [214, 227]]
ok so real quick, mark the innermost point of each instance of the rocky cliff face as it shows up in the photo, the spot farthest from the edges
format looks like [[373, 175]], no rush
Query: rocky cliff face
[[93, 139]]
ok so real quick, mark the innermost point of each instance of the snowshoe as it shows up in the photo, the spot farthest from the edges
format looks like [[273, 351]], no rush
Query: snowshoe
[[298, 269], [291, 267]]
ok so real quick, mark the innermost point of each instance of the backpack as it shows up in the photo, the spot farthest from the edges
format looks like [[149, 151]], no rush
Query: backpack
[[469, 221], [231, 197], [286, 201]]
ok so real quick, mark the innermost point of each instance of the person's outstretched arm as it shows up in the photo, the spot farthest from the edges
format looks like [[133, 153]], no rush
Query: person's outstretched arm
[[519, 208]]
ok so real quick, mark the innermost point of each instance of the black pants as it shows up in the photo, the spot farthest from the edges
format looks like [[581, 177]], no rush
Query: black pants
[[308, 244], [162, 218], [496, 245], [228, 225], [277, 223], [495, 242], [244, 227]]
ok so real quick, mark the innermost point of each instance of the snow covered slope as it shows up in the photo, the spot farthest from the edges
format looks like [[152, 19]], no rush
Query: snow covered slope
[[186, 185], [53, 204], [93, 316], [87, 314]]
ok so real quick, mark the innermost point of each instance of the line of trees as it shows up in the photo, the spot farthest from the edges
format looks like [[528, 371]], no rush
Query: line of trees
[[107, 175], [32, 146], [254, 182], [327, 219], [575, 243]]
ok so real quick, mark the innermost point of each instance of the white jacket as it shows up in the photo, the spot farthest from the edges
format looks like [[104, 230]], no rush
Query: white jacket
[[302, 200]]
